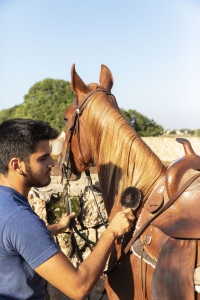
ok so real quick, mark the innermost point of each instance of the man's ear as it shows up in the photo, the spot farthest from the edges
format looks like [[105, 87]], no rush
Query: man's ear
[[15, 164]]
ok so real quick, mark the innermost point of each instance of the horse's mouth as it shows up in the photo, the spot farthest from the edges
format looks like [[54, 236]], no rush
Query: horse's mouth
[[68, 173], [71, 176]]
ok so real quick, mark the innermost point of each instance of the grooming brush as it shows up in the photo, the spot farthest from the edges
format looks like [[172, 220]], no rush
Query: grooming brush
[[130, 198]]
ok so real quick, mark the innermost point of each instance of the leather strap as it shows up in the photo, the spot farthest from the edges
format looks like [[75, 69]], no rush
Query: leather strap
[[75, 125], [79, 108]]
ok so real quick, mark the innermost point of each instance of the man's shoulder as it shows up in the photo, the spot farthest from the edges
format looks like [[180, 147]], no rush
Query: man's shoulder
[[11, 203]]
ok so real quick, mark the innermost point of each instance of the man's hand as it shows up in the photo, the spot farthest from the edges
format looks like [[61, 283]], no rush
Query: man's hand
[[62, 225], [122, 222], [65, 220]]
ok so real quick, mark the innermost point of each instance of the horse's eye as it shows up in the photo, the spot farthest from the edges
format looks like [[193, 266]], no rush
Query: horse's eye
[[65, 120]]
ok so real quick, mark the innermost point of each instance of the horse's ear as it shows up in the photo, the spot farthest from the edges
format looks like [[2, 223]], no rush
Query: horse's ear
[[106, 80], [77, 84]]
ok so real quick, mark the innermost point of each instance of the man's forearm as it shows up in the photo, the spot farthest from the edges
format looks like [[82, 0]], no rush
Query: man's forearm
[[62, 225], [93, 266], [55, 229]]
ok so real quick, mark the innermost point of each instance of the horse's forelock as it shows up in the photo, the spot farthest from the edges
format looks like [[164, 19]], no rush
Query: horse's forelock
[[93, 86]]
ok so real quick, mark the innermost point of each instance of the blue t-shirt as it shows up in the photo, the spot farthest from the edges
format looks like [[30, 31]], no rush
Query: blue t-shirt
[[25, 243]]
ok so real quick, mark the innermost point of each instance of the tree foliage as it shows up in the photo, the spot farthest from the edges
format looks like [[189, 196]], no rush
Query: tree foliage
[[187, 131], [143, 125], [172, 132], [47, 100], [197, 132], [9, 113]]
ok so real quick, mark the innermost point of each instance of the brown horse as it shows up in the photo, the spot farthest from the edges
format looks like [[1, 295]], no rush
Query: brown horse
[[98, 134]]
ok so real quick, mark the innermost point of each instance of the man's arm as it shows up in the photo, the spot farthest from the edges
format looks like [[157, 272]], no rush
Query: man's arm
[[77, 283]]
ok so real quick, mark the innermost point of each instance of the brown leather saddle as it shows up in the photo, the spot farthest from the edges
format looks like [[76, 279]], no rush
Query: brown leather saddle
[[171, 239]]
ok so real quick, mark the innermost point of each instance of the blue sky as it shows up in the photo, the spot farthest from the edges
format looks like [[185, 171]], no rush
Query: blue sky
[[152, 48]]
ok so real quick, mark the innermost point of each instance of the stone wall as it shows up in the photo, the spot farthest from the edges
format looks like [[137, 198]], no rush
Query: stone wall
[[49, 204], [168, 149]]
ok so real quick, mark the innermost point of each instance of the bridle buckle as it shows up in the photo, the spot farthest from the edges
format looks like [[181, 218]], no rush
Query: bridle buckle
[[77, 111]]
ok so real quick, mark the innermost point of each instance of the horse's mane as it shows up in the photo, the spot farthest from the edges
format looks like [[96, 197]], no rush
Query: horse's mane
[[124, 159]]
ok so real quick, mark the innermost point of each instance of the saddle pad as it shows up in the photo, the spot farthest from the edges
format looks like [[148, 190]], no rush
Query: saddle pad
[[141, 253], [174, 272]]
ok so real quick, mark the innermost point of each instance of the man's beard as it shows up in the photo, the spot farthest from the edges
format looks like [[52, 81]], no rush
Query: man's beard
[[34, 180]]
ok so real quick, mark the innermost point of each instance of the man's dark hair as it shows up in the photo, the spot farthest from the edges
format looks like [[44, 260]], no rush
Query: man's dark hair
[[19, 137]]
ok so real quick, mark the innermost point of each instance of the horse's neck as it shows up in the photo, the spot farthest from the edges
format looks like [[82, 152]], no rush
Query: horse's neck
[[124, 160], [115, 178]]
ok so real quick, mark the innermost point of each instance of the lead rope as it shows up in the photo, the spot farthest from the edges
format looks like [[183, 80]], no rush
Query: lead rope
[[71, 224], [87, 173], [72, 221]]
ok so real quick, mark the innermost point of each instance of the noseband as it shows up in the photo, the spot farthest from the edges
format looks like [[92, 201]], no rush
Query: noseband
[[75, 126]]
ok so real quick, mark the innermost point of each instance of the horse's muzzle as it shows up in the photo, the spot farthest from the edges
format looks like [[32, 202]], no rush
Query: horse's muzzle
[[71, 176], [66, 170]]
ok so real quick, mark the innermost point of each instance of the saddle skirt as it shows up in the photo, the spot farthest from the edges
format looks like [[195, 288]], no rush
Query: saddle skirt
[[170, 243], [181, 220]]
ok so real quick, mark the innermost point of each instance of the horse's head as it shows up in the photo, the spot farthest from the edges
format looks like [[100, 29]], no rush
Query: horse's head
[[76, 155]]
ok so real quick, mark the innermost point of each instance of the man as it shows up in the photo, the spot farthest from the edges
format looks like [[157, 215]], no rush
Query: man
[[28, 253]]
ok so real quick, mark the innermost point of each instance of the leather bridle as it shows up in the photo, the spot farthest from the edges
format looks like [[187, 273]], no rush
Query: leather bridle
[[75, 127]]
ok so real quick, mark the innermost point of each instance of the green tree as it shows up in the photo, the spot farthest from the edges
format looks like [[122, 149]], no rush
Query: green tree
[[143, 125], [9, 113], [172, 132], [47, 100], [187, 131], [197, 132], [192, 132]]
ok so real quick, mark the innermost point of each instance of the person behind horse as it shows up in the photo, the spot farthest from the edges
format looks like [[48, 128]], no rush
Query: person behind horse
[[29, 255]]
